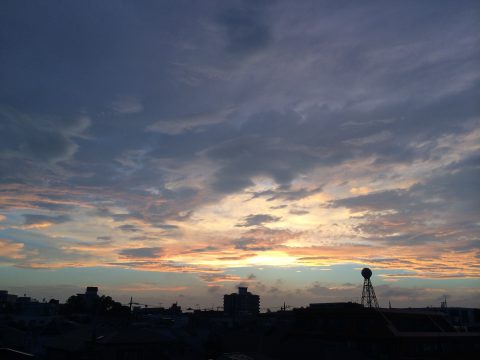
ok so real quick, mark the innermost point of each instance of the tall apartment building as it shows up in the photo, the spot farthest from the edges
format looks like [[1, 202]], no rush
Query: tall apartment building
[[243, 303]]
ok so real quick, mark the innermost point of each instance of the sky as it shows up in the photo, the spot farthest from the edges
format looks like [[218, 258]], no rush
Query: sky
[[174, 150]]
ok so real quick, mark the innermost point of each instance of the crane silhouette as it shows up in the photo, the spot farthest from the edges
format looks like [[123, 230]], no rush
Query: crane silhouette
[[136, 303]]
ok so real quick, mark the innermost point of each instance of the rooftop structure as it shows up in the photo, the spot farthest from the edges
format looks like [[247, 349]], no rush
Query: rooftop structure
[[91, 291]]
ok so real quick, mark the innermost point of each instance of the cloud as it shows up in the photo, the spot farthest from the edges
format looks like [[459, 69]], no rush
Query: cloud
[[142, 253], [246, 27], [287, 195], [141, 287], [250, 244], [405, 215], [370, 139], [129, 228], [48, 139], [238, 257], [252, 154], [397, 295], [299, 212], [219, 277], [33, 221], [214, 289], [52, 205], [257, 220], [191, 122], [11, 250], [264, 239], [166, 226], [204, 249], [283, 206], [127, 105], [385, 200]]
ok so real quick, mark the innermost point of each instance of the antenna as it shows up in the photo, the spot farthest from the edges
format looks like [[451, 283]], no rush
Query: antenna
[[443, 304], [368, 294]]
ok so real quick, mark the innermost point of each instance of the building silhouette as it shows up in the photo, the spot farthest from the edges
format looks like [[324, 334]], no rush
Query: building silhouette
[[90, 296], [243, 303], [6, 298]]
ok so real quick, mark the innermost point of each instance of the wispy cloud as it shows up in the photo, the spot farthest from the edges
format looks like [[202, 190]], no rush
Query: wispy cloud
[[191, 122], [33, 221], [258, 219], [142, 253], [127, 105]]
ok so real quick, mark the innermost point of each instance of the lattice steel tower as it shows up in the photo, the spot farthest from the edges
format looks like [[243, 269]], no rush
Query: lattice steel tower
[[368, 294]]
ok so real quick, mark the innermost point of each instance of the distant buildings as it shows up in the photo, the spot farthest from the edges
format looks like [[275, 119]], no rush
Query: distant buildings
[[336, 305], [243, 303], [6, 298]]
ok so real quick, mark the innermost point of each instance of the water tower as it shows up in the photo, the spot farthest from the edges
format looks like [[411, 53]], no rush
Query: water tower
[[368, 294]]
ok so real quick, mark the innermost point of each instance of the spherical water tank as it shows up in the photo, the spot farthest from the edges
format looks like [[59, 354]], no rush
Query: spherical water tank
[[367, 273]]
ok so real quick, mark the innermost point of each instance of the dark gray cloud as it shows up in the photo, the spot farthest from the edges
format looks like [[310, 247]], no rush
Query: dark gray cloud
[[152, 216], [299, 212], [142, 253], [285, 146], [101, 241], [36, 219], [385, 200], [284, 134], [468, 246], [258, 219], [251, 244], [288, 195], [48, 139], [104, 238], [144, 238], [246, 27], [166, 226], [204, 249], [451, 190], [279, 207], [53, 206], [129, 228]]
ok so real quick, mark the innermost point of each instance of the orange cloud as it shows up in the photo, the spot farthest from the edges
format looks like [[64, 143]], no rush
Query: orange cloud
[[11, 250], [151, 287]]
